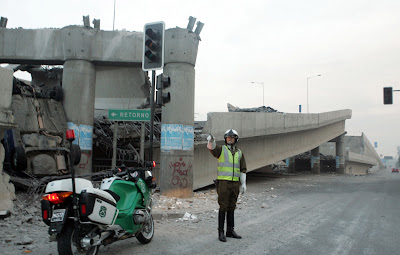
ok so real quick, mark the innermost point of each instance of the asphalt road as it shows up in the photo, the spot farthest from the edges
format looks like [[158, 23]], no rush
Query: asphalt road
[[286, 214], [306, 214]]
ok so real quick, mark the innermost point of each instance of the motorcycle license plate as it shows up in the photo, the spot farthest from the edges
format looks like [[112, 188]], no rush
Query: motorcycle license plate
[[58, 215]]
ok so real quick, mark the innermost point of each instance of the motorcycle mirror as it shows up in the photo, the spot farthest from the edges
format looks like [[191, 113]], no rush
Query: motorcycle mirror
[[150, 164]]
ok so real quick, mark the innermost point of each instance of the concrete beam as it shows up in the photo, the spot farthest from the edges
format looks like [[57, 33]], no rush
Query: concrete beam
[[361, 159], [55, 46], [357, 164], [252, 124], [370, 151]]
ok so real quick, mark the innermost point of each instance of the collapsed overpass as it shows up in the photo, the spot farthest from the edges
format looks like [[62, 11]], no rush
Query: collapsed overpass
[[266, 138], [94, 60]]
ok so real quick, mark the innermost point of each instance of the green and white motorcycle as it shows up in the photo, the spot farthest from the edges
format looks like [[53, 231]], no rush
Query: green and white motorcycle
[[82, 218]]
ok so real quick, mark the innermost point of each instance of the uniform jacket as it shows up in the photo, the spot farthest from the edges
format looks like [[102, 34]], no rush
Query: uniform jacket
[[217, 152]]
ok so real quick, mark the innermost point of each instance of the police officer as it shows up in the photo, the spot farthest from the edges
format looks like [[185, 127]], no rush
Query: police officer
[[231, 179]]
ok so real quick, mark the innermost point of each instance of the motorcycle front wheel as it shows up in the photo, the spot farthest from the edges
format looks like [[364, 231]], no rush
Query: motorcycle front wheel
[[147, 232], [66, 242]]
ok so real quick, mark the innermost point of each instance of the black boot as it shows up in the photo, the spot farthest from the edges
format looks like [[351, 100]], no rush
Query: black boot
[[221, 223], [230, 221]]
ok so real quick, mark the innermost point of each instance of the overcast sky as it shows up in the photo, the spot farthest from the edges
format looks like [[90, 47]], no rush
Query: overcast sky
[[353, 44]]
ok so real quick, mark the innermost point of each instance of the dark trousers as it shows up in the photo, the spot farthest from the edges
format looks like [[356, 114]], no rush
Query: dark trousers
[[228, 192]]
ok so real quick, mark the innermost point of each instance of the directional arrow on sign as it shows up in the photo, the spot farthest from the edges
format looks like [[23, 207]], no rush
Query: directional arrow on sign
[[129, 115]]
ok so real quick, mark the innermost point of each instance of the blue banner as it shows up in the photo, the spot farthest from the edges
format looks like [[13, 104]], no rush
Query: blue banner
[[188, 138], [83, 135], [171, 136]]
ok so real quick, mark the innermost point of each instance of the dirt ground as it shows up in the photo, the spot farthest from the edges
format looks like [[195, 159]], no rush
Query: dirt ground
[[25, 233]]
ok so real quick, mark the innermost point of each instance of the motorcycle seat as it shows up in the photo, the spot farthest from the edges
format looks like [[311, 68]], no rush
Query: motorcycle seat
[[113, 194]]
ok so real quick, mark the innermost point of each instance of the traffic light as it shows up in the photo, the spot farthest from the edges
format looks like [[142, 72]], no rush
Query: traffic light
[[387, 95], [163, 82], [153, 46]]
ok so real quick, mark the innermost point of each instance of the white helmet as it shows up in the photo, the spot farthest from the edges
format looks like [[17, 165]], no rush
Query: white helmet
[[231, 133]]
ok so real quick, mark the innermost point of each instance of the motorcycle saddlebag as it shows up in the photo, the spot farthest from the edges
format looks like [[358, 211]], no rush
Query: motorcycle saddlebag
[[97, 206]]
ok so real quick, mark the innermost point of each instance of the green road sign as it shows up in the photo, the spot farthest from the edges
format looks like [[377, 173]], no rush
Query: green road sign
[[129, 115]]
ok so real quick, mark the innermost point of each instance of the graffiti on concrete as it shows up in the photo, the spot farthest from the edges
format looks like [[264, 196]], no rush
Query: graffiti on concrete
[[180, 173]]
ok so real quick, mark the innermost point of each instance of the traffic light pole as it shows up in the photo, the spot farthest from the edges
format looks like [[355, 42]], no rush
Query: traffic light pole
[[153, 59], [153, 85]]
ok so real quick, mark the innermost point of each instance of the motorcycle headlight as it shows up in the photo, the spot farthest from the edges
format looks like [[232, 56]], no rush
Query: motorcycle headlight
[[134, 174], [148, 176]]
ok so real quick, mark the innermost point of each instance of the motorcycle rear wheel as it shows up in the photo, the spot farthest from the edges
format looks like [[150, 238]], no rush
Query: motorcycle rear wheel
[[147, 232], [66, 242]]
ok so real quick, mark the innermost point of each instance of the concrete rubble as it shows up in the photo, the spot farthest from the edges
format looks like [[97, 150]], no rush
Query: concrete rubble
[[232, 108], [7, 190], [184, 209]]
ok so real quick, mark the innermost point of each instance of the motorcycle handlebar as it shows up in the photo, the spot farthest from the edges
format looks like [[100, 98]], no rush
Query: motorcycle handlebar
[[117, 171], [121, 173]]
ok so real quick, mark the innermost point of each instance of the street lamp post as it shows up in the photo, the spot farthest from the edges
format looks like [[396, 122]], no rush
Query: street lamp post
[[307, 86], [263, 88]]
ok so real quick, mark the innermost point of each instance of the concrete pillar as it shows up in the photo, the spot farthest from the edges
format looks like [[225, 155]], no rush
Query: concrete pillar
[[79, 80], [340, 157], [177, 165], [315, 161], [290, 163]]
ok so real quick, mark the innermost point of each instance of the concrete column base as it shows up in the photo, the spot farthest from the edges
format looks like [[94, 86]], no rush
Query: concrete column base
[[315, 161], [177, 177]]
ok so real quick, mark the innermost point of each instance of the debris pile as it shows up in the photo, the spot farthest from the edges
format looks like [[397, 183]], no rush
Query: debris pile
[[179, 206], [25, 215], [232, 108], [307, 156], [128, 141]]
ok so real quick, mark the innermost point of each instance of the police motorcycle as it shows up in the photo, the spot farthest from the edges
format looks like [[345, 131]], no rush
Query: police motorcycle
[[81, 217]]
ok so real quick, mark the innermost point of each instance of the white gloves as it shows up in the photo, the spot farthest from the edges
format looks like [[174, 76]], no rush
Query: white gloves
[[243, 183], [211, 142]]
